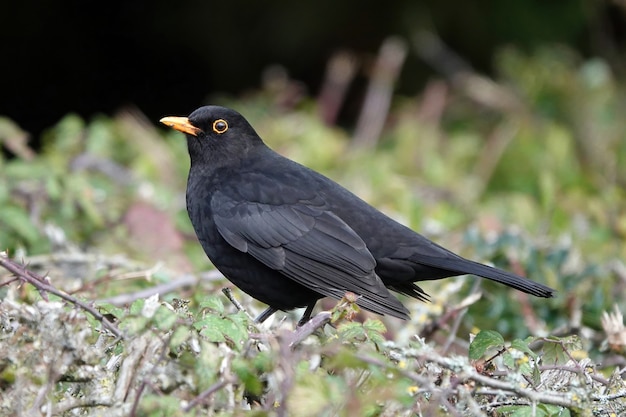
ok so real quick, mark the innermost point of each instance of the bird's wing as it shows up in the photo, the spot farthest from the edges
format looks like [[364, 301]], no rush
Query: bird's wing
[[308, 244]]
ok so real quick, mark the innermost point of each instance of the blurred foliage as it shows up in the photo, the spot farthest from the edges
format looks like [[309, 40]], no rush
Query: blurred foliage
[[537, 188]]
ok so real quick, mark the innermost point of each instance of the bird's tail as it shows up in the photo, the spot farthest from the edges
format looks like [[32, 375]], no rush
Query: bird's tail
[[465, 266]]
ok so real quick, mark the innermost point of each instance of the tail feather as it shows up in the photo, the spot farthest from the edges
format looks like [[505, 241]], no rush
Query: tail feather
[[464, 266]]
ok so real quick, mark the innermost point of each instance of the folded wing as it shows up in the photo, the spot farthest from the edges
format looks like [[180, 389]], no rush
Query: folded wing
[[309, 244]]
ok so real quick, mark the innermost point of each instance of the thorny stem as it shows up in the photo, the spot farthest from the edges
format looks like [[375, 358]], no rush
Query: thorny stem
[[39, 282]]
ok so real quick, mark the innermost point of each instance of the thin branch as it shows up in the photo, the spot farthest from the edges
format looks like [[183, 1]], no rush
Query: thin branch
[[468, 373], [574, 370], [40, 282], [304, 331], [186, 280], [608, 397], [229, 294], [377, 100], [207, 393], [461, 309]]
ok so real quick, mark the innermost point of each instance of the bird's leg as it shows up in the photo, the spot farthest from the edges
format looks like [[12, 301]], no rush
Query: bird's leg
[[307, 314], [265, 314]]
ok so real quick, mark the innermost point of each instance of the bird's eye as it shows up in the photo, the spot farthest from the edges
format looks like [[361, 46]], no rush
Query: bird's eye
[[220, 126]]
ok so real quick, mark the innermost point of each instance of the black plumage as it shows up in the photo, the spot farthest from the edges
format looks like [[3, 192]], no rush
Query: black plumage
[[287, 235]]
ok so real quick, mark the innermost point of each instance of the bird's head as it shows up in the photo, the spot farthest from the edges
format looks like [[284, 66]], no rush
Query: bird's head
[[215, 134]]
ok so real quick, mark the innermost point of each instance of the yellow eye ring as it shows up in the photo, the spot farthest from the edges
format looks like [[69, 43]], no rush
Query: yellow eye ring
[[220, 126]]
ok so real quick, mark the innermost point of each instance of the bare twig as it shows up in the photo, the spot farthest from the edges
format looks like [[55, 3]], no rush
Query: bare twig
[[15, 139], [575, 370], [40, 282], [378, 97], [477, 87], [462, 310], [468, 372], [457, 311], [186, 280], [304, 331], [66, 406], [340, 72], [207, 393]]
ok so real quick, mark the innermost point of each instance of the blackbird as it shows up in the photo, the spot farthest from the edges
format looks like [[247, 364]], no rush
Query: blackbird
[[288, 236]]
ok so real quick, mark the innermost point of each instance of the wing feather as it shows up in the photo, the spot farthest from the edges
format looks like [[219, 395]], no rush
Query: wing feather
[[308, 244]]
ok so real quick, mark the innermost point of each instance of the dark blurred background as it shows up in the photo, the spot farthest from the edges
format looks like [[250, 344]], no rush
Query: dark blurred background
[[167, 58]]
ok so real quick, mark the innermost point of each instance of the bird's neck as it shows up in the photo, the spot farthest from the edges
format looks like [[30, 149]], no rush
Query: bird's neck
[[216, 160]]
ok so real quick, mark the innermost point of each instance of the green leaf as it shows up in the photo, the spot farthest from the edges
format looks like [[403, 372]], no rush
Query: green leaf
[[160, 405], [209, 328], [17, 219], [522, 346], [180, 335], [137, 307], [351, 331], [345, 358], [542, 410], [231, 329], [555, 349], [485, 340], [508, 360], [375, 325], [27, 170], [516, 411], [213, 304], [374, 331], [536, 375], [107, 308], [248, 375], [207, 364], [134, 325], [164, 318]]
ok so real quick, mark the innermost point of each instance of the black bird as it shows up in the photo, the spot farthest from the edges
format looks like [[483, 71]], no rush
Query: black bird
[[288, 236]]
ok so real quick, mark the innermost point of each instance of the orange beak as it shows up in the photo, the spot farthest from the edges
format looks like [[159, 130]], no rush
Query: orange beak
[[181, 124]]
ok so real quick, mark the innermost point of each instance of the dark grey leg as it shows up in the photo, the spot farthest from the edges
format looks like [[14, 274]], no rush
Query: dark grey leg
[[265, 314], [307, 314]]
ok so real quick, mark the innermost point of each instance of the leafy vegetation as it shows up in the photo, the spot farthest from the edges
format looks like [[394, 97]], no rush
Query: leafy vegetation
[[531, 178]]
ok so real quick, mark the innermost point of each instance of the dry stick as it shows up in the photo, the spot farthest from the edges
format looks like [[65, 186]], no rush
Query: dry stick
[[206, 393], [493, 149], [66, 406], [451, 409], [480, 89], [142, 387], [457, 312], [304, 331], [39, 282], [229, 294], [146, 380], [16, 140], [379, 91], [608, 397], [555, 398], [43, 392], [340, 72], [474, 296], [286, 363], [83, 258], [574, 370], [186, 280]]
